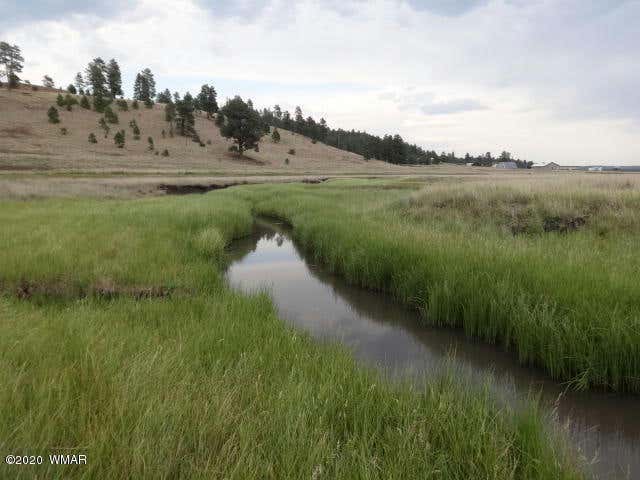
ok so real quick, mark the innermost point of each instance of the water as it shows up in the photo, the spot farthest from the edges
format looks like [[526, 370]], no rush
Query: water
[[605, 427]]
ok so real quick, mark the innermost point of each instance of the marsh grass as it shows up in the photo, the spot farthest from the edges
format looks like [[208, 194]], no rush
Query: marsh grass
[[566, 299], [207, 383]]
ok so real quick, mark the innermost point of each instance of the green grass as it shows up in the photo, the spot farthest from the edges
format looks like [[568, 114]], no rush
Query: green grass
[[509, 264], [120, 340]]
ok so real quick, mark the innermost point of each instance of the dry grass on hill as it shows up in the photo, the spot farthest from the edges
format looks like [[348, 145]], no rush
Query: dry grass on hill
[[29, 142]]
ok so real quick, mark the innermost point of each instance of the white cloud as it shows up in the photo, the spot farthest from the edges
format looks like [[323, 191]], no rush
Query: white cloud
[[546, 80]]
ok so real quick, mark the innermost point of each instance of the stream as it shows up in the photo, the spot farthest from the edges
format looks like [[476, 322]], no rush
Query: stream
[[604, 427]]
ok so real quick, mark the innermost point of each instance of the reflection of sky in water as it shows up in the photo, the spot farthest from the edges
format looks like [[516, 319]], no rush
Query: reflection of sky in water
[[382, 333]]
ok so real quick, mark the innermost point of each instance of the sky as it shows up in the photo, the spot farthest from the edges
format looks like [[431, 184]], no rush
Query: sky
[[545, 80]]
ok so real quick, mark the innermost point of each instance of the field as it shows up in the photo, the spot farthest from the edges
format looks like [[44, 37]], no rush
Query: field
[[545, 268], [122, 342]]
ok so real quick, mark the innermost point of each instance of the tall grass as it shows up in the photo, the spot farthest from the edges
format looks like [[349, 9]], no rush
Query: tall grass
[[563, 295], [203, 382]]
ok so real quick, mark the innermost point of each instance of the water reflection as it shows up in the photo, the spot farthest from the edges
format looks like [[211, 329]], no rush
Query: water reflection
[[382, 333]]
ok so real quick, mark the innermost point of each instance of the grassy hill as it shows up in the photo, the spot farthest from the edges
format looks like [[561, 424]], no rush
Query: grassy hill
[[28, 142]]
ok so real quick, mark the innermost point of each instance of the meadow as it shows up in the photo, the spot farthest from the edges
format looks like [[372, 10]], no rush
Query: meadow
[[120, 340], [543, 265]]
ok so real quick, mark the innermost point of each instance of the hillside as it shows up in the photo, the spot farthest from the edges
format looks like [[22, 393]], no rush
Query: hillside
[[28, 142]]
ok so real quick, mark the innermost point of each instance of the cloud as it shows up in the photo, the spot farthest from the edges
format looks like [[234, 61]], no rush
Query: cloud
[[480, 75]]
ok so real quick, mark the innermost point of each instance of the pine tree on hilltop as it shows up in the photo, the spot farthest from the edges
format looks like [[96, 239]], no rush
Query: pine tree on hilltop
[[275, 136], [144, 87], [114, 78], [47, 81], [79, 83], [207, 100], [12, 60], [184, 119], [96, 78]]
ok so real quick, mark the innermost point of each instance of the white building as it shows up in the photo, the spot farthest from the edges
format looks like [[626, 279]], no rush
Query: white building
[[506, 165]]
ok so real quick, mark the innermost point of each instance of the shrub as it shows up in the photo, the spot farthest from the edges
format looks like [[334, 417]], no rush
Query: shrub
[[122, 105], [92, 138], [314, 141], [60, 100], [208, 142], [164, 134], [165, 153], [135, 105], [233, 148], [34, 88], [275, 136], [118, 138], [292, 151], [157, 152], [52, 113], [151, 146], [286, 161], [110, 116], [84, 103], [201, 144], [100, 104], [64, 131]]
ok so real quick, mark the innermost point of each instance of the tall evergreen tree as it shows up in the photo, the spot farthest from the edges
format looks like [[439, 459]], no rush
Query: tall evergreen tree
[[95, 76], [207, 100], [238, 121], [47, 81], [144, 87], [12, 60], [184, 120], [299, 121], [114, 78], [79, 83]]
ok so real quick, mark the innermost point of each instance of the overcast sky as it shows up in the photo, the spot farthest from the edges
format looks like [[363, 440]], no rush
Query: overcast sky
[[547, 80]]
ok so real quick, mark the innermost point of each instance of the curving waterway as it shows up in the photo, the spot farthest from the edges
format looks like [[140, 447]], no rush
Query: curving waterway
[[605, 427]]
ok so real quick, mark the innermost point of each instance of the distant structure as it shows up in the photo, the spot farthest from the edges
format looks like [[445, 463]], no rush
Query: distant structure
[[506, 165], [595, 169], [546, 166]]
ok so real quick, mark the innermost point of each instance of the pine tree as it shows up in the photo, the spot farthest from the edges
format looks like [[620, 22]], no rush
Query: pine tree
[[207, 100], [12, 60], [299, 121], [84, 103], [184, 119], [144, 87], [92, 138], [96, 77], [60, 100], [72, 89], [241, 123], [275, 136], [52, 113], [110, 116], [114, 78], [47, 81], [119, 139], [79, 83]]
